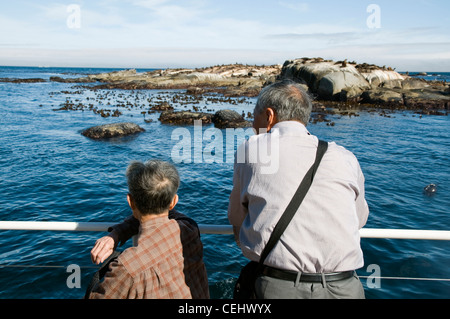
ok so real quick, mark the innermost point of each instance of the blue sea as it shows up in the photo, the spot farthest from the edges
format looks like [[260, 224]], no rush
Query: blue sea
[[50, 172]]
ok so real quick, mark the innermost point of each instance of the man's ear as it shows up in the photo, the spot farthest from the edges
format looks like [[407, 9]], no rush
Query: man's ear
[[131, 202], [271, 118], [174, 202]]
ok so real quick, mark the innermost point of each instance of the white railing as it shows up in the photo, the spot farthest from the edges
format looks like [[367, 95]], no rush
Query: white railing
[[218, 229], [221, 230]]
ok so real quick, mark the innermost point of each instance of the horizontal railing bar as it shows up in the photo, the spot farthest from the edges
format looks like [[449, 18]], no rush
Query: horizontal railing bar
[[218, 229], [405, 234], [55, 226]]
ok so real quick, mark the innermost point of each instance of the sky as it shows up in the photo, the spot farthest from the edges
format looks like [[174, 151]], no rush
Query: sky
[[405, 35]]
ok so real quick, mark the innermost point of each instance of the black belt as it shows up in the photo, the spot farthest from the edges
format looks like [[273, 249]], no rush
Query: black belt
[[292, 276]]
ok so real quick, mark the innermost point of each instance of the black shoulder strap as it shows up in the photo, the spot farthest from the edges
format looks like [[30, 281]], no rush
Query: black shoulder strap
[[295, 203]]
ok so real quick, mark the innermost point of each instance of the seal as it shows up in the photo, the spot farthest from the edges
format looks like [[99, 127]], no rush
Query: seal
[[430, 189]]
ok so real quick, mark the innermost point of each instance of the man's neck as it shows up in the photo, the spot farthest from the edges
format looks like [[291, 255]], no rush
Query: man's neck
[[144, 218]]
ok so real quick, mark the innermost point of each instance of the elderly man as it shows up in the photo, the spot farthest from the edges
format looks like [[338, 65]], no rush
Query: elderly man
[[167, 262], [317, 255]]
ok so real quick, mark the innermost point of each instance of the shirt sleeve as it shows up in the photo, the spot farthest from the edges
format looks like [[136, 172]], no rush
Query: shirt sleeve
[[362, 208], [116, 284], [236, 214], [127, 229]]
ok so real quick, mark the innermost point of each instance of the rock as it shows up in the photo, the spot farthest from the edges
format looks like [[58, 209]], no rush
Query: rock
[[419, 99], [71, 80], [204, 77], [380, 77], [331, 85], [325, 78], [113, 76], [112, 130], [365, 83], [302, 72], [163, 106], [414, 83], [426, 99], [339, 80], [391, 84], [195, 91], [184, 117], [248, 89], [229, 119], [32, 80], [380, 96]]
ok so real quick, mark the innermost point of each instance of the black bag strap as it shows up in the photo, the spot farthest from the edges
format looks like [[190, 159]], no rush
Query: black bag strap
[[100, 273], [294, 204]]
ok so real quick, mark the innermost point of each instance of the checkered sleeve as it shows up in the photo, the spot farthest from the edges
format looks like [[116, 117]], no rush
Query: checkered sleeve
[[115, 285]]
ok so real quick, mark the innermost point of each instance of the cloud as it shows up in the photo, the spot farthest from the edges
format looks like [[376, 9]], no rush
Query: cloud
[[104, 16], [175, 13], [149, 4], [207, 34], [139, 57], [404, 57], [326, 38], [427, 57], [363, 37], [296, 6]]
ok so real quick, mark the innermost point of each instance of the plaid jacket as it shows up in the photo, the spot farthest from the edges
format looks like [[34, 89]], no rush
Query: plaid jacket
[[188, 235]]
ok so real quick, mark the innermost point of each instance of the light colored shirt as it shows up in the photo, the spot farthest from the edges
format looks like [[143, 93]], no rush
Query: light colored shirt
[[151, 270], [324, 235]]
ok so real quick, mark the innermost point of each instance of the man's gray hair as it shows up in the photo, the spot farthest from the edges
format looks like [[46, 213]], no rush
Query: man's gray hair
[[288, 99], [152, 185]]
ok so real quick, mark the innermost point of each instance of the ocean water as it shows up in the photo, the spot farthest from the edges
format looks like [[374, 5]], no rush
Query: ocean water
[[50, 172]]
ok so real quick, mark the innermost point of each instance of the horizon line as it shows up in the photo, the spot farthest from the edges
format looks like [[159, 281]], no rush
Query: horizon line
[[171, 67]]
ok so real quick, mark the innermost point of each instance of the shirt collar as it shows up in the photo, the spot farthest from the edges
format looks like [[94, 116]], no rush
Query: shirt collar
[[151, 223], [292, 127]]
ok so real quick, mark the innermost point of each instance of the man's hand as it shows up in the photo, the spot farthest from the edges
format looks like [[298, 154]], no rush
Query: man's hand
[[104, 247]]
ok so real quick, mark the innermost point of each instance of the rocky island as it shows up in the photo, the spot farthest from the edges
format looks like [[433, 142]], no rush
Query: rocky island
[[337, 87], [231, 80], [367, 84], [327, 80]]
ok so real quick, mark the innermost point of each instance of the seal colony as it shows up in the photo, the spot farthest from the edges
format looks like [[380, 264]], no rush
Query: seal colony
[[338, 88], [328, 81]]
